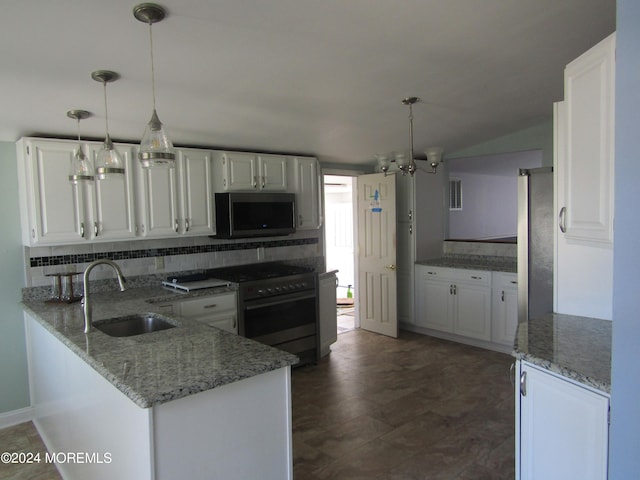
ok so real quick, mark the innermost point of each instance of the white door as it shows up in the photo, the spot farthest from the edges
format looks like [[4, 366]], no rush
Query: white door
[[377, 292]]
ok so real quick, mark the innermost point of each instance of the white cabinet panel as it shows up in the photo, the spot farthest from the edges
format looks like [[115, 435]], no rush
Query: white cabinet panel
[[195, 192], [157, 202], [504, 308], [308, 195], [584, 160], [563, 428]]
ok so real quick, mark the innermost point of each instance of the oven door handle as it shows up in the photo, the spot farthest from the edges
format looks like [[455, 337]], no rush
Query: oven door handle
[[279, 300]]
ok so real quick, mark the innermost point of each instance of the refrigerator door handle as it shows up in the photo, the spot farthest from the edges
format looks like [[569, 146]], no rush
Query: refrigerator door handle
[[562, 219]]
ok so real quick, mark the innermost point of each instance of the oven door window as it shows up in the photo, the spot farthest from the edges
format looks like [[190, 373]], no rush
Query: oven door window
[[278, 315]]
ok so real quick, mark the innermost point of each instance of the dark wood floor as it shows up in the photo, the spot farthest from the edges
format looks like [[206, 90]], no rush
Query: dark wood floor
[[409, 408], [380, 408]]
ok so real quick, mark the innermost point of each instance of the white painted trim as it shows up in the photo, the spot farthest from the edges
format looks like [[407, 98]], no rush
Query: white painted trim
[[15, 417]]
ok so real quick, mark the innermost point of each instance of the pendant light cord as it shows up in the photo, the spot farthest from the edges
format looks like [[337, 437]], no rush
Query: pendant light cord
[[153, 73], [106, 111], [411, 160]]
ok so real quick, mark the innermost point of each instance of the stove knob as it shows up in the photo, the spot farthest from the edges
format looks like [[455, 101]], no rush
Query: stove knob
[[269, 290], [260, 291], [277, 289]]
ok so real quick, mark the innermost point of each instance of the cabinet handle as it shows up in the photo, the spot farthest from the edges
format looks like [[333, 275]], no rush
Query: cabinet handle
[[234, 322], [502, 297], [410, 229], [95, 229], [81, 230], [432, 273], [515, 282], [175, 225], [450, 289], [255, 182], [455, 289], [523, 384], [264, 181], [562, 219], [391, 267], [213, 305], [186, 225], [476, 277], [300, 220], [410, 215]]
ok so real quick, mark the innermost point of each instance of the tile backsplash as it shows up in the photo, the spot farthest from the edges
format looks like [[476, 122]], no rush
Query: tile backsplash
[[151, 257]]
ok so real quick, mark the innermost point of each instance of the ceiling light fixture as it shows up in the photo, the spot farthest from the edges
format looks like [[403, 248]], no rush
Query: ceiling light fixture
[[108, 162], [81, 168], [156, 148], [407, 164]]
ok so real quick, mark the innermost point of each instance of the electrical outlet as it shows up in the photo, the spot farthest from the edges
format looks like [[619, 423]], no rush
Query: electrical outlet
[[159, 263]]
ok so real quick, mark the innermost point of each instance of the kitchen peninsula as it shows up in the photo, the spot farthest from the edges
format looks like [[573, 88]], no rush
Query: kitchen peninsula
[[187, 402]]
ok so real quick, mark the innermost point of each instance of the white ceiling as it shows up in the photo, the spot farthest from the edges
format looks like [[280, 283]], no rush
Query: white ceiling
[[323, 77]]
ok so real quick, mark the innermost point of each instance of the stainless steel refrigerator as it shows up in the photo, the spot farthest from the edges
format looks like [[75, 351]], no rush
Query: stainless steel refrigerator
[[535, 242]]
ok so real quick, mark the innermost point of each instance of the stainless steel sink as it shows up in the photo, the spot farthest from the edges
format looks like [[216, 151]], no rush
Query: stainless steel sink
[[131, 325]]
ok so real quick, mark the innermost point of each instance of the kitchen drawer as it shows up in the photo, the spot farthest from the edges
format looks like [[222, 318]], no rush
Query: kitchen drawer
[[476, 277], [209, 305]]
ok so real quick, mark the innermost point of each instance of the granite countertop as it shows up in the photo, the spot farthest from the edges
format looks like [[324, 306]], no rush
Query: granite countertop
[[575, 347], [474, 262], [157, 367]]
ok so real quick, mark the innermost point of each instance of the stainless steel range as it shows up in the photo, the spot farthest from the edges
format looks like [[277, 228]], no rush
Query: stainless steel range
[[277, 305]]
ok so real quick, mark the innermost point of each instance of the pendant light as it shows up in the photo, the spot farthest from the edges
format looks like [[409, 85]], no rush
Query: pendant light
[[81, 167], [156, 148], [109, 163]]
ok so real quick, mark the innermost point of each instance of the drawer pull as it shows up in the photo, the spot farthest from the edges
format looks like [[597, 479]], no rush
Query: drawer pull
[[476, 277], [514, 281], [213, 305]]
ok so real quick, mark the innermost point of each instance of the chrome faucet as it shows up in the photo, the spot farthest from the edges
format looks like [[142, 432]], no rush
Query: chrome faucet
[[86, 304]]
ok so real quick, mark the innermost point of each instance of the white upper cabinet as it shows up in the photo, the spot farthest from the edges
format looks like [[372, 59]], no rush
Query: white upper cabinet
[[113, 210], [308, 194], [584, 160], [249, 171], [54, 212], [177, 201], [157, 202], [586, 200], [196, 192]]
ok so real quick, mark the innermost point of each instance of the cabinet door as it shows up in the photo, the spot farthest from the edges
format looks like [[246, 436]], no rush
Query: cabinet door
[[196, 192], [504, 308], [113, 204], [157, 202], [563, 428], [240, 171], [308, 202], [472, 317], [434, 302], [587, 197], [273, 173], [54, 207]]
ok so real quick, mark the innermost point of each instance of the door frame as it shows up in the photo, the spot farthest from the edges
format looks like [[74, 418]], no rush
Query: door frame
[[347, 172]]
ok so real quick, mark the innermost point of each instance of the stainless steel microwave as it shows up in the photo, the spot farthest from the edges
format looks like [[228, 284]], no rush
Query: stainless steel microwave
[[241, 215]]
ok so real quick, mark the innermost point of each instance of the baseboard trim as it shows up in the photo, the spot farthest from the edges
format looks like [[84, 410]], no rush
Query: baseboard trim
[[14, 417], [496, 347]]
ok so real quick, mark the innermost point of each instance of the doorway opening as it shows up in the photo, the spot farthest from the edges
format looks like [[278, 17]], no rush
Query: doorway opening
[[339, 191]]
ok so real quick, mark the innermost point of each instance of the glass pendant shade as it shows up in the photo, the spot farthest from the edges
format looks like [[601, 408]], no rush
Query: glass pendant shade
[[108, 162], [156, 148], [81, 166]]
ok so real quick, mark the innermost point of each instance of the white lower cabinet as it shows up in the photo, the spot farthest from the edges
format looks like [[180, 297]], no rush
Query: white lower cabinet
[[504, 307], [218, 310], [562, 427], [454, 301]]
